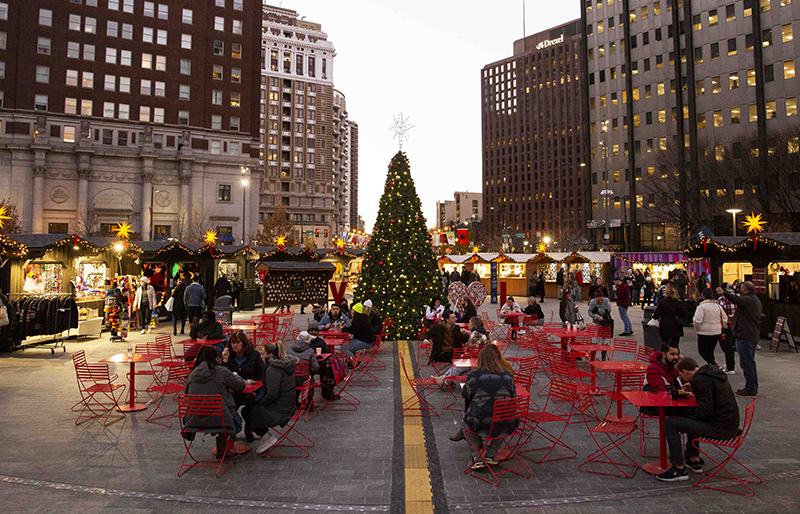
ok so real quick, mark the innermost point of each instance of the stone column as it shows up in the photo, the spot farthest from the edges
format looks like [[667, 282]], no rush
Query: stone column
[[185, 178], [83, 196], [37, 225], [147, 192]]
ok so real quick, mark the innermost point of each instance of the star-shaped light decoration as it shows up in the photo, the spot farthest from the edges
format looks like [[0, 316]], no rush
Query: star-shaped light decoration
[[542, 248], [400, 127], [210, 237], [475, 249], [3, 217], [339, 243], [754, 223], [280, 241], [123, 230]]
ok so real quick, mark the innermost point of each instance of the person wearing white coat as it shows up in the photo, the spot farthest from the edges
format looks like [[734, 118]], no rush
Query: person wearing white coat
[[144, 302], [709, 321]]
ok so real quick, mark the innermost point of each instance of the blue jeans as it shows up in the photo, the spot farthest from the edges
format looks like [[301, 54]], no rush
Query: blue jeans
[[175, 319], [626, 321], [355, 345], [492, 448], [747, 361]]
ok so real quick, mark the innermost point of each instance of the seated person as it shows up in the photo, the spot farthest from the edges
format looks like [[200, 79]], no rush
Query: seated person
[[209, 378], [375, 320], [468, 310], [316, 340], [361, 335], [510, 306], [242, 359], [489, 382], [278, 404], [434, 311], [207, 328], [319, 311], [534, 309], [334, 318], [478, 338], [715, 417], [301, 349], [445, 336], [661, 371]]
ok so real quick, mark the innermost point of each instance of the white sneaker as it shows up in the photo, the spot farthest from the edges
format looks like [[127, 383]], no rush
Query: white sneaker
[[728, 371], [143, 331], [149, 329], [266, 443]]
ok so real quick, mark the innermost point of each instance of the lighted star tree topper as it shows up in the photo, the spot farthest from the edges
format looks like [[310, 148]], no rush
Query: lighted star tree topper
[[399, 272], [401, 127]]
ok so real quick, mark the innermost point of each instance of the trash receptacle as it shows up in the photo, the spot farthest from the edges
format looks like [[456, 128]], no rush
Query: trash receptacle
[[223, 309], [652, 338]]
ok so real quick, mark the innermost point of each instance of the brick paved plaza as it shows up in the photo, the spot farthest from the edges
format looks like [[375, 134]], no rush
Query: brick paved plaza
[[360, 461]]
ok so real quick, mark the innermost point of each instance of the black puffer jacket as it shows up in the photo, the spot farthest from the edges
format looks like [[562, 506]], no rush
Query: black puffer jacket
[[278, 404], [669, 313], [482, 389], [252, 368], [716, 403]]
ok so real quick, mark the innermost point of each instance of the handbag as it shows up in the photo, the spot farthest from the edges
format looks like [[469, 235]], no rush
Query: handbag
[[169, 304], [653, 323], [579, 322], [4, 320]]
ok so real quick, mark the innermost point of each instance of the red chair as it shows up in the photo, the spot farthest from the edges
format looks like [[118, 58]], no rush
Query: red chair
[[628, 382], [79, 358], [427, 347], [342, 399], [560, 391], [363, 375], [152, 371], [624, 349], [287, 436], [643, 354], [175, 383], [729, 449], [458, 353], [202, 405], [421, 388], [504, 411], [93, 380]]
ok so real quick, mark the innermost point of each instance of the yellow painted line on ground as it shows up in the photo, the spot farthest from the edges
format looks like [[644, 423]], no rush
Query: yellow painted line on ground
[[419, 497]]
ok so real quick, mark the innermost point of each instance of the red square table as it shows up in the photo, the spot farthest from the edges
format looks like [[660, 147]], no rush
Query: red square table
[[592, 349], [334, 339], [618, 368], [132, 358], [661, 400], [565, 334], [251, 388]]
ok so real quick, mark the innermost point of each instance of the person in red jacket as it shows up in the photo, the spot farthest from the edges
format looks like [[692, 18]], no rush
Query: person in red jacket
[[661, 371]]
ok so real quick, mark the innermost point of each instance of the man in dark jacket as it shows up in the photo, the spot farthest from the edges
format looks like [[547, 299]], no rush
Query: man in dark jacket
[[446, 337], [361, 336], [715, 417], [222, 287], [746, 331], [560, 282]]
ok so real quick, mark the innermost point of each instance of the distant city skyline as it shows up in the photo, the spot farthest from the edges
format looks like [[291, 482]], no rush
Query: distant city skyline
[[424, 59]]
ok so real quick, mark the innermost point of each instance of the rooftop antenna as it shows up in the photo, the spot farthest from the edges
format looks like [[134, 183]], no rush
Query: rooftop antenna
[[524, 32]]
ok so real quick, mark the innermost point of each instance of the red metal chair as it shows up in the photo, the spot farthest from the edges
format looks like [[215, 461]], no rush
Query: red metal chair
[[363, 374], [617, 434], [458, 353], [504, 411], [560, 391], [624, 349], [155, 373], [628, 382], [421, 388], [288, 434], [206, 406], [342, 399], [79, 358], [175, 383], [93, 380], [729, 449], [643, 354]]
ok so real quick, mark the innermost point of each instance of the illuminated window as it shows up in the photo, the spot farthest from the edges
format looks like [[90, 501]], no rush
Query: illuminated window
[[788, 70], [771, 110], [735, 115], [718, 118], [713, 18], [791, 106], [786, 33], [753, 113], [733, 81], [751, 78]]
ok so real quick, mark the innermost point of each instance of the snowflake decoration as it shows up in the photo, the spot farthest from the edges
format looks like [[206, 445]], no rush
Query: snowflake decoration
[[401, 127]]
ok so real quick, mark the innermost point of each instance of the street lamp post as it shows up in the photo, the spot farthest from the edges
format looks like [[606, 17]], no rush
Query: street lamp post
[[245, 183], [734, 212], [606, 192]]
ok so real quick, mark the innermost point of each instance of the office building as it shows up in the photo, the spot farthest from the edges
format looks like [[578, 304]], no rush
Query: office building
[[464, 209]]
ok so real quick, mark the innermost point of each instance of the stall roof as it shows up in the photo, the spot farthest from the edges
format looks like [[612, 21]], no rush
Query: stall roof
[[597, 256], [37, 244], [11, 247], [295, 266], [559, 256]]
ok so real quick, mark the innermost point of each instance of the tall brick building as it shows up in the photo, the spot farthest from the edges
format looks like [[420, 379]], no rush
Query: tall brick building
[[532, 125], [113, 107]]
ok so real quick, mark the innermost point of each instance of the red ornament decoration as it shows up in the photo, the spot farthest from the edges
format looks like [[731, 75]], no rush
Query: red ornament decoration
[[705, 240]]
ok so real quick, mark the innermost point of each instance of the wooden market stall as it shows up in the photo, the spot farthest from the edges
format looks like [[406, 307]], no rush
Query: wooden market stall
[[348, 263], [293, 282]]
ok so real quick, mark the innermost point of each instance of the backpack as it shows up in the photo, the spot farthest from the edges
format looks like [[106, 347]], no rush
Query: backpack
[[331, 372]]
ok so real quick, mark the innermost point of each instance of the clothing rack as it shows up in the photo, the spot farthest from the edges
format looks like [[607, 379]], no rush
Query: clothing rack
[[40, 294], [57, 339]]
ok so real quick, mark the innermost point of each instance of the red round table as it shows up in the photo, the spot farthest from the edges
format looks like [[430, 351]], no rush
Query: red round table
[[132, 358]]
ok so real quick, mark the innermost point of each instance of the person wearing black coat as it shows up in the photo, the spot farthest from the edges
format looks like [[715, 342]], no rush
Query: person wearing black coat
[[242, 359], [469, 311], [360, 331], [178, 307], [278, 404], [715, 417], [540, 288], [222, 287], [669, 313], [445, 337]]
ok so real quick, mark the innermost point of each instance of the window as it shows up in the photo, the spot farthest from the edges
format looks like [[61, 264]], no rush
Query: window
[[235, 99], [236, 53], [184, 92], [216, 97], [108, 110], [90, 25], [718, 118], [219, 23], [163, 12], [42, 74], [61, 228], [753, 113], [766, 38], [788, 70], [791, 107], [46, 17], [125, 57], [735, 115], [147, 34], [238, 5], [124, 84], [144, 113], [111, 55], [769, 73], [160, 88], [161, 63], [696, 23], [236, 75], [716, 85], [765, 5], [88, 52], [70, 106], [112, 29], [127, 31], [43, 47], [733, 81], [86, 107], [74, 22], [219, 3], [124, 113], [216, 72], [146, 87], [771, 110], [236, 123], [698, 54], [87, 80], [730, 13], [714, 51], [713, 18], [72, 78], [186, 16], [158, 115], [127, 6], [216, 122], [183, 117], [69, 136], [110, 83], [786, 33], [186, 67], [3, 40], [236, 27], [147, 61], [219, 47], [751, 78], [732, 46], [150, 9], [186, 41], [224, 190], [113, 5]]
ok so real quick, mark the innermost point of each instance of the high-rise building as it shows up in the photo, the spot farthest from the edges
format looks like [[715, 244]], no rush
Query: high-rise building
[[465, 208], [692, 111], [533, 178], [353, 142], [114, 110], [304, 126]]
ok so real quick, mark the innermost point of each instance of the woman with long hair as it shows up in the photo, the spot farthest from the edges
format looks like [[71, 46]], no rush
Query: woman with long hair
[[278, 404], [242, 359], [670, 313]]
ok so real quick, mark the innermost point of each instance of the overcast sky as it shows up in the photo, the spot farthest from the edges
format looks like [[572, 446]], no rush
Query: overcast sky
[[422, 58]]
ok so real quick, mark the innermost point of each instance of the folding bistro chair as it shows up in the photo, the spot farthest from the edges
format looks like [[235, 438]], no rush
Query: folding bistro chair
[[93, 380], [342, 400], [202, 405], [421, 388], [290, 436], [560, 391], [78, 359], [458, 353], [504, 411], [175, 383], [729, 449], [643, 354], [624, 349], [363, 375]]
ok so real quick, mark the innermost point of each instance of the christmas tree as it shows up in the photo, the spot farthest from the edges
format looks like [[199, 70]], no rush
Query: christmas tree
[[399, 273]]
